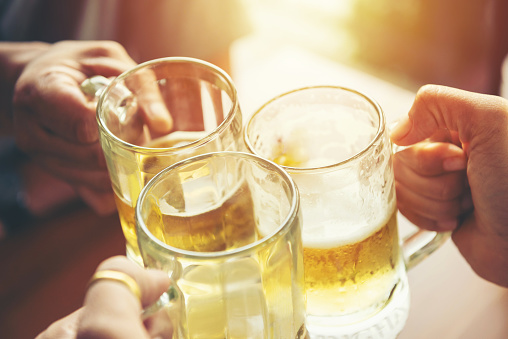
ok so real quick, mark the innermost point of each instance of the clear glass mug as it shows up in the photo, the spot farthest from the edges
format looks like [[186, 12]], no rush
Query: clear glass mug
[[202, 101], [334, 143], [226, 226]]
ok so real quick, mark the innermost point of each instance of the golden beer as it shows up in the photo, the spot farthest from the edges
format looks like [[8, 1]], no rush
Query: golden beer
[[334, 143], [149, 165], [126, 215], [352, 277], [252, 295], [226, 225], [202, 102], [344, 273]]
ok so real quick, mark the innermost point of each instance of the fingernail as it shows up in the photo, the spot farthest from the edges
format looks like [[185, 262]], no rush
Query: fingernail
[[401, 129], [447, 225], [454, 164]]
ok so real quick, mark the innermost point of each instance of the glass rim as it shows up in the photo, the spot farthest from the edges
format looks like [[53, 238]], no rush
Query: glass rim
[[278, 232], [196, 143], [297, 170]]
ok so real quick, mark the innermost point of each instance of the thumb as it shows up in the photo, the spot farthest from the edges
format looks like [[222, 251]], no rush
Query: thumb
[[112, 309], [152, 283], [472, 115]]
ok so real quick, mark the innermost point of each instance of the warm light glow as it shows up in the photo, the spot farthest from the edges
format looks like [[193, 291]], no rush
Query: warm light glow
[[410, 43]]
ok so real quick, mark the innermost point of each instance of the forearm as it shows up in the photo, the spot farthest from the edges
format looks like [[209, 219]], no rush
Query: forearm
[[14, 56]]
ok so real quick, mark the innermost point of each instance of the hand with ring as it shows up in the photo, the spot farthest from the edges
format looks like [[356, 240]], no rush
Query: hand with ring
[[116, 296]]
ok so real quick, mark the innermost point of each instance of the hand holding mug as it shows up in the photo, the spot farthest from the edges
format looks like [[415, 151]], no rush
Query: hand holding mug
[[205, 117], [112, 310], [334, 143], [54, 121], [479, 124]]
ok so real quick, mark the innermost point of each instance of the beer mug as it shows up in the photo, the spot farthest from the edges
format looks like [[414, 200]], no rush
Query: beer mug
[[226, 227], [334, 143], [203, 104]]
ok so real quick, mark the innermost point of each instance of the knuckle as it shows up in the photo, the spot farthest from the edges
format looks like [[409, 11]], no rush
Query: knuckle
[[427, 94], [50, 77], [446, 192], [421, 163], [425, 160], [24, 93], [106, 48], [428, 91], [450, 187]]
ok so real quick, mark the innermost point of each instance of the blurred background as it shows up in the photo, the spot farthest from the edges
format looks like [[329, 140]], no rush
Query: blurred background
[[410, 43]]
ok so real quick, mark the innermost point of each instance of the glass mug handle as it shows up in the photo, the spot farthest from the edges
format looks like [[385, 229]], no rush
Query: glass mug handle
[[94, 86], [127, 108], [171, 299], [169, 305], [421, 243], [167, 309], [127, 102]]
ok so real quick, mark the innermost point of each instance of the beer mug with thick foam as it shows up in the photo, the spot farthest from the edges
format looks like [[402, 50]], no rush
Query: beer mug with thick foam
[[227, 228], [203, 105], [334, 143]]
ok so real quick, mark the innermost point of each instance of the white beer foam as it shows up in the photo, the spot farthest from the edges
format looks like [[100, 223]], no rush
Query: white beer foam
[[345, 226], [321, 135], [334, 207]]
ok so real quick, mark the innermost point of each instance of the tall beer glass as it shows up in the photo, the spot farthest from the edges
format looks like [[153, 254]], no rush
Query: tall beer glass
[[203, 104], [226, 226], [334, 143]]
